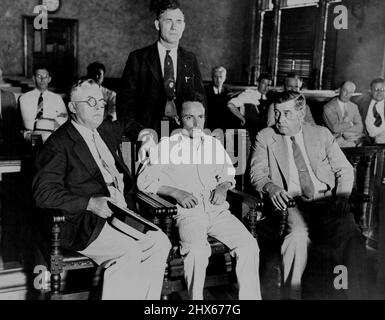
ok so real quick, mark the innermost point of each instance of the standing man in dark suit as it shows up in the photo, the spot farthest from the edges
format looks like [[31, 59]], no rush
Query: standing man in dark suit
[[156, 77], [78, 172]]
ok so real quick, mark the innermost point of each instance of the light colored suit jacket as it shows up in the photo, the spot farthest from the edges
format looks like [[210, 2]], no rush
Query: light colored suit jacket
[[340, 127], [269, 160]]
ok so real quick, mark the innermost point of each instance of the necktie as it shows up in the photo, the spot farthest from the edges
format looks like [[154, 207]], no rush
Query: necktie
[[377, 116], [345, 113], [109, 168], [169, 86], [307, 186], [169, 80], [39, 110]]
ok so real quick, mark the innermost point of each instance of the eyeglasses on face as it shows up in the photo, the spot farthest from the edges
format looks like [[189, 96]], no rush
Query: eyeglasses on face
[[93, 103], [379, 89]]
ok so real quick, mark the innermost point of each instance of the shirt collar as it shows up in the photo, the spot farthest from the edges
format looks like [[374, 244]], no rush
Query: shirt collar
[[297, 136], [162, 49], [86, 133], [372, 102]]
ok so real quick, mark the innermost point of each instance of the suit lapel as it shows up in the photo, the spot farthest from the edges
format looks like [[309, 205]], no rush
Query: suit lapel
[[281, 152], [84, 154], [312, 146], [153, 62], [339, 113], [183, 75]]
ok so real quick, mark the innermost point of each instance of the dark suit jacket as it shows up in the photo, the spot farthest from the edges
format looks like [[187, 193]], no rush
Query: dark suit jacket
[[10, 124], [141, 101], [67, 176], [218, 114]]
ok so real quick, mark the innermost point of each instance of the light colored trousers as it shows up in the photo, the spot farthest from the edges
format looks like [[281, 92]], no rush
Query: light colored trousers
[[294, 249], [194, 226], [131, 274]]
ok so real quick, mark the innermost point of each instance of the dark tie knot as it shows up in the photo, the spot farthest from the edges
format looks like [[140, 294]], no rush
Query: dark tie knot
[[292, 138]]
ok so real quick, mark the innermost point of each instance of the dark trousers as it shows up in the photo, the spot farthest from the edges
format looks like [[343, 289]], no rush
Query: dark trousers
[[336, 243]]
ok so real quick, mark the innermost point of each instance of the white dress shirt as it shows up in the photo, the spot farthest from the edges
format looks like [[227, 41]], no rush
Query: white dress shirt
[[87, 135], [294, 187], [251, 96], [194, 165], [342, 106], [173, 55], [378, 133], [53, 107]]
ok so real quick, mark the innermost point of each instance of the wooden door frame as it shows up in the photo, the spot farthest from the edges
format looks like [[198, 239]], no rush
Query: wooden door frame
[[28, 46]]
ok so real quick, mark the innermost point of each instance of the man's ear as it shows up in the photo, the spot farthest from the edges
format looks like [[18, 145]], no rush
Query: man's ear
[[71, 107], [302, 113], [156, 23], [49, 79]]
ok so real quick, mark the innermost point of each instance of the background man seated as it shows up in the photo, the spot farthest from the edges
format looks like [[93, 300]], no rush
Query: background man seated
[[78, 171], [217, 95], [371, 107], [195, 170], [42, 111], [292, 83], [97, 71], [250, 106], [343, 119], [293, 159]]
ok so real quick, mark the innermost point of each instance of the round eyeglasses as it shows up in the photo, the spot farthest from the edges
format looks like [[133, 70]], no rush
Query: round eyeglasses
[[93, 103]]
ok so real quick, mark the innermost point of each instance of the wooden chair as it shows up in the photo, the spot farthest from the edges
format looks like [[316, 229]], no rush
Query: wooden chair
[[161, 212], [368, 164]]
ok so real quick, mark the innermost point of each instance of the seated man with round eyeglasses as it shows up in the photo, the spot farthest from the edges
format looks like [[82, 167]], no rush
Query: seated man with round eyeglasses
[[78, 171], [42, 110]]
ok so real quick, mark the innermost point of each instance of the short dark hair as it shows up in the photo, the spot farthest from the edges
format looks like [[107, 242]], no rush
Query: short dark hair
[[160, 6], [40, 67], [300, 101], [93, 68], [262, 76], [375, 81], [192, 96]]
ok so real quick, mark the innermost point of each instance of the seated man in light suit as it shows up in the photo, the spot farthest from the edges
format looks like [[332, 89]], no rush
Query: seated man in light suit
[[78, 171], [293, 159], [343, 119], [42, 111], [194, 169]]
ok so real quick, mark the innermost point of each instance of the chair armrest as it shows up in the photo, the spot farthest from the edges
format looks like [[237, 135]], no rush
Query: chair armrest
[[359, 197], [155, 204], [158, 209], [252, 201]]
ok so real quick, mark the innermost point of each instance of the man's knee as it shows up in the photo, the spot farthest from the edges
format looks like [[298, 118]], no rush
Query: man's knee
[[162, 242], [298, 237], [248, 248], [199, 252]]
